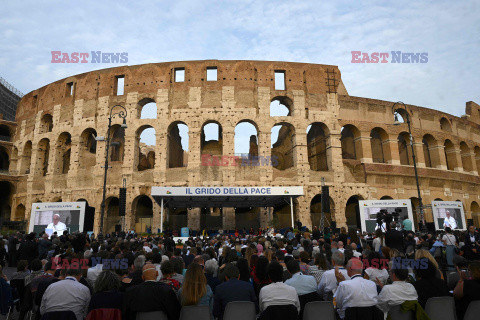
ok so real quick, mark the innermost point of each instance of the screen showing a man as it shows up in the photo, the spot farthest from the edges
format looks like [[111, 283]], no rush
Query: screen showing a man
[[449, 221], [57, 225]]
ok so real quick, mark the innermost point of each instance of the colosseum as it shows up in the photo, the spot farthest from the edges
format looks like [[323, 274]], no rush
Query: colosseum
[[303, 126]]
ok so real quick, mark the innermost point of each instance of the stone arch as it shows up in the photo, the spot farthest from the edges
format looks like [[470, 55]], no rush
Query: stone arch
[[117, 143], [283, 149], [4, 159], [386, 198], [46, 123], [316, 211], [430, 151], [26, 160], [402, 115], [145, 141], [63, 153], [43, 153], [213, 146], [112, 210], [476, 151], [352, 212], [380, 146], [142, 207], [88, 148], [5, 133], [445, 125], [403, 149], [450, 155], [318, 147], [351, 142], [246, 139], [475, 210], [177, 146], [19, 213], [147, 109], [6, 192], [281, 106], [466, 157]]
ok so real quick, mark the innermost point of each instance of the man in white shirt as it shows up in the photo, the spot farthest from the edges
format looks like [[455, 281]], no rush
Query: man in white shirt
[[449, 221], [67, 295], [277, 293], [303, 284], [340, 247], [328, 282], [357, 292], [57, 225], [396, 293]]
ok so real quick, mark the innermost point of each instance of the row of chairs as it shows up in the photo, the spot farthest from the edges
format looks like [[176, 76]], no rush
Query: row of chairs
[[440, 308]]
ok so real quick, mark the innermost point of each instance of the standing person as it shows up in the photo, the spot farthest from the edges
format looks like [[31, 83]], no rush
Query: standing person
[[195, 290], [471, 244], [28, 249], [67, 295], [394, 238], [232, 290], [450, 241], [12, 250], [44, 246], [379, 241]]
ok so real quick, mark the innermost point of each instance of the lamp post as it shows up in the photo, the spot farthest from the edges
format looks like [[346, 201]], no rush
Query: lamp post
[[121, 114], [397, 122]]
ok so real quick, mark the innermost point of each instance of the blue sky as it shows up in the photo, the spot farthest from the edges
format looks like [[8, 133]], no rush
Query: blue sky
[[301, 31]]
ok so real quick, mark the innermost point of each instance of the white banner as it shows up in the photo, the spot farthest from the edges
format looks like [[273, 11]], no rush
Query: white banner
[[226, 191]]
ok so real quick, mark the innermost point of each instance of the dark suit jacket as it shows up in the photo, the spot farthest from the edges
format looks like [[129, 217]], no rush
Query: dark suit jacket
[[151, 296], [394, 239], [28, 250], [232, 290]]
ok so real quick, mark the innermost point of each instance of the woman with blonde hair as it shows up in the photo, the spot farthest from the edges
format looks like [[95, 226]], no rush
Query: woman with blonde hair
[[425, 254], [249, 252], [268, 254], [195, 290]]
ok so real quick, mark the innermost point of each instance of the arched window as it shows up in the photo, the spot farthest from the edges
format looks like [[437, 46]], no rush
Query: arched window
[[5, 134], [450, 155], [147, 109], [246, 141], [445, 125], [117, 143], [318, 144], [146, 142], [404, 149], [466, 157], [283, 146], [42, 157], [380, 147], [351, 144], [26, 158], [143, 210], [430, 151], [177, 145], [88, 148], [211, 139], [476, 151], [281, 107], [19, 213], [63, 153], [4, 159], [46, 123]]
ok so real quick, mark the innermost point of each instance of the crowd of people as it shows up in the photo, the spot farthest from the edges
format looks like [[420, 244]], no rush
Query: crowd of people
[[358, 272]]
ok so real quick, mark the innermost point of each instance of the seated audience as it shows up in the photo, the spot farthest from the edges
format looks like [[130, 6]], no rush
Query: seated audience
[[303, 284], [195, 291], [211, 267], [356, 292], [168, 272], [277, 293], [151, 295], [428, 285], [396, 293], [328, 283], [319, 267], [232, 289], [67, 294], [107, 292], [22, 271], [467, 290]]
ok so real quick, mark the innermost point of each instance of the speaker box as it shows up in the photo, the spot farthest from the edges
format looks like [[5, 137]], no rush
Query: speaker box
[[122, 201], [325, 199]]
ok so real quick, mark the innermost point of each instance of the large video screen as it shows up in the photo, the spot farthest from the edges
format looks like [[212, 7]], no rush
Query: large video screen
[[57, 217], [370, 209], [448, 214]]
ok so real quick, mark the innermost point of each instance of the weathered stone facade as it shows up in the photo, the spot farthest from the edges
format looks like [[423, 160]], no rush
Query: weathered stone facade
[[352, 142]]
